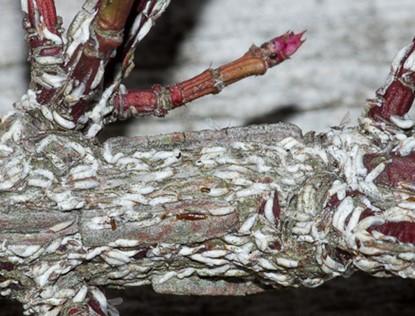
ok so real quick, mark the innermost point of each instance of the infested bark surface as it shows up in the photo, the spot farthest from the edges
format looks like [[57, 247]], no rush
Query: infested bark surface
[[175, 210], [224, 212]]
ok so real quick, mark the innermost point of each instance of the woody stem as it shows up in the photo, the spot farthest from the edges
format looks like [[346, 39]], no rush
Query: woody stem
[[396, 97], [43, 29], [159, 100], [86, 61]]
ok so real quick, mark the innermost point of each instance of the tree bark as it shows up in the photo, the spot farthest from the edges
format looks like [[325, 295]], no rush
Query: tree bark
[[227, 212]]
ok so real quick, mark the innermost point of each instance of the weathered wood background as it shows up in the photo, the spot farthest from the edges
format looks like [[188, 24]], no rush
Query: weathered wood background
[[347, 56]]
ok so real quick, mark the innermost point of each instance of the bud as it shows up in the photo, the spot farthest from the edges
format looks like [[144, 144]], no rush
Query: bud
[[282, 47]]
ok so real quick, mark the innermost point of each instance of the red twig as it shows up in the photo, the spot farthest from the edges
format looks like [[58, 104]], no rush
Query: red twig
[[106, 36], [46, 46], [47, 14], [397, 96], [147, 11], [159, 100]]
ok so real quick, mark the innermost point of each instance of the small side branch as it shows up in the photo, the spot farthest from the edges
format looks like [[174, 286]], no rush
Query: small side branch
[[147, 12], [43, 28], [395, 99], [159, 100], [88, 61]]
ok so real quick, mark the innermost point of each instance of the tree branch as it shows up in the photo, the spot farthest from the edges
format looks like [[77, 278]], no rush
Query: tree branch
[[89, 59], [43, 28], [260, 206], [396, 97], [159, 100], [93, 39], [227, 212]]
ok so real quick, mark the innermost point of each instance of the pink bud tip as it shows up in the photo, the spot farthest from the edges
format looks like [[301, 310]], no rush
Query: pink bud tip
[[287, 44]]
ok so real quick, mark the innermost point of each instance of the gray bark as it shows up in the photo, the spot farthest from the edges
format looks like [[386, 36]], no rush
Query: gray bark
[[228, 212]]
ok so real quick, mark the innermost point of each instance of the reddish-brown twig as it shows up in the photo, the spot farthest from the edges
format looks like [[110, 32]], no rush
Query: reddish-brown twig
[[42, 23], [397, 96], [109, 34], [159, 100], [46, 46], [147, 12], [106, 35]]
